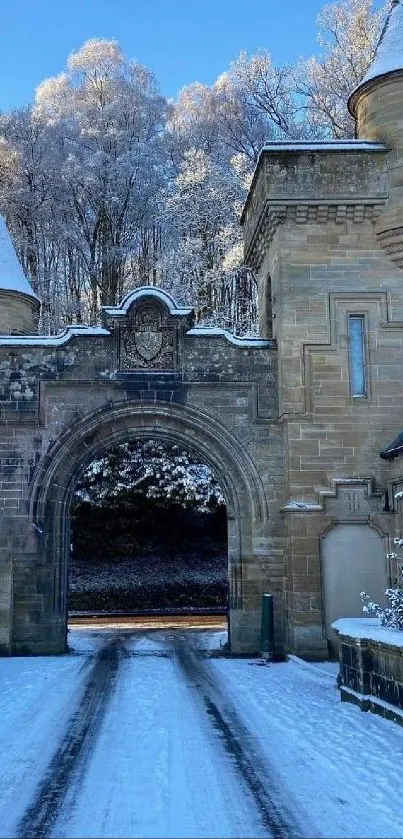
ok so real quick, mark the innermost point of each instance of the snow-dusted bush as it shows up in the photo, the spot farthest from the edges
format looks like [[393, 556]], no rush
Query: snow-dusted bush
[[392, 615], [151, 469]]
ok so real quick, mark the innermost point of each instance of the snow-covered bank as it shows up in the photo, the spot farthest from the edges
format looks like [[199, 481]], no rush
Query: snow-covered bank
[[37, 699], [342, 765]]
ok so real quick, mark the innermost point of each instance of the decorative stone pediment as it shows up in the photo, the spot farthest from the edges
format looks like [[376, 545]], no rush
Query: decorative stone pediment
[[148, 324]]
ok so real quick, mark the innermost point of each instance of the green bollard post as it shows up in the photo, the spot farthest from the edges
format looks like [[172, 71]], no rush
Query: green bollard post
[[267, 627]]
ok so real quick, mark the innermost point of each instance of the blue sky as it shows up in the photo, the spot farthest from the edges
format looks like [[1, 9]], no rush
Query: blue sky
[[180, 41]]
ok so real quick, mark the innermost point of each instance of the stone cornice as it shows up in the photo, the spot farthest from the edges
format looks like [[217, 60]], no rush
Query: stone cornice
[[302, 211]]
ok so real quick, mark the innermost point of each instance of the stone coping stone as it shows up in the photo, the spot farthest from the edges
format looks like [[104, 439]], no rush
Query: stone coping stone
[[367, 702], [368, 629]]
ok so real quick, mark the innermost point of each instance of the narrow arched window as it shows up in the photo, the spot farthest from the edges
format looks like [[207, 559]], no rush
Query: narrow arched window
[[357, 355]]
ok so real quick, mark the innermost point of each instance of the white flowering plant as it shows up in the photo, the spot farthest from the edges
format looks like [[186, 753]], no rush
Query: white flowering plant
[[391, 615]]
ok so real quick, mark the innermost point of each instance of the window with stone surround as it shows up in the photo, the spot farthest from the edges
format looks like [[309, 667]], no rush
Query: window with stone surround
[[356, 331]]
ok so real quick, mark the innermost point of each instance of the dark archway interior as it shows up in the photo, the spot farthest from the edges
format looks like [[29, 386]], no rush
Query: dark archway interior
[[148, 532]]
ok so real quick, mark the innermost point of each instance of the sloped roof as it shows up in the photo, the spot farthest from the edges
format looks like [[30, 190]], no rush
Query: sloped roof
[[12, 277], [394, 449], [389, 52]]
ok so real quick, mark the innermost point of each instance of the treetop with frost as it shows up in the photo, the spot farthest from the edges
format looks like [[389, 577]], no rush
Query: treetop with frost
[[105, 185], [157, 470]]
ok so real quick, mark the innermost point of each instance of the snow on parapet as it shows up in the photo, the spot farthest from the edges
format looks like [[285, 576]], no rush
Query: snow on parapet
[[324, 145], [140, 293], [217, 332], [12, 277], [389, 52], [53, 340], [370, 629]]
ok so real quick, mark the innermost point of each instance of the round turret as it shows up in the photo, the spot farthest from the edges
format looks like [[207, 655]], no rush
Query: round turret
[[377, 106], [19, 305]]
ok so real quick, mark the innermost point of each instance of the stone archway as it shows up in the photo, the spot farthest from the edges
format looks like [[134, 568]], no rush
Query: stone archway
[[56, 479], [67, 398]]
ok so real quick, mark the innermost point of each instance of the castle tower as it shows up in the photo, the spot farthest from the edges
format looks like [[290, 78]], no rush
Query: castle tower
[[323, 231], [377, 106], [19, 305]]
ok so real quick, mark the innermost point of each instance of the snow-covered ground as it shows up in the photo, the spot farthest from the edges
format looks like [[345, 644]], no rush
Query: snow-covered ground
[[143, 734], [342, 766]]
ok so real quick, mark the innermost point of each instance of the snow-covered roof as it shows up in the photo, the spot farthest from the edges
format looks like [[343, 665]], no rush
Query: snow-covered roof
[[12, 277], [324, 145], [389, 52], [394, 449]]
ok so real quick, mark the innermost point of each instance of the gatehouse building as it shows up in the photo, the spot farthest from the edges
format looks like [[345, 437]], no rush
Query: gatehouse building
[[301, 426]]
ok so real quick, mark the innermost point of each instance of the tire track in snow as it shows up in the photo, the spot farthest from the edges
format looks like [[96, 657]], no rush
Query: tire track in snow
[[73, 752], [254, 770]]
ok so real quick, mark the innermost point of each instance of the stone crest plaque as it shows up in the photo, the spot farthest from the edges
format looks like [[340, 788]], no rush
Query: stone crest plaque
[[148, 341], [148, 338]]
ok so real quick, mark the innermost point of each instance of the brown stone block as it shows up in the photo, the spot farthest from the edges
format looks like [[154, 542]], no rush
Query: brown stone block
[[308, 478], [300, 607], [326, 410], [297, 524], [306, 583], [304, 447], [299, 565], [310, 617], [316, 601], [336, 397], [308, 546], [251, 602], [314, 566], [317, 522], [327, 375], [301, 600], [327, 463]]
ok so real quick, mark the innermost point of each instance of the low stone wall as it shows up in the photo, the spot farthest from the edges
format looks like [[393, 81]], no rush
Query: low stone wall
[[371, 666]]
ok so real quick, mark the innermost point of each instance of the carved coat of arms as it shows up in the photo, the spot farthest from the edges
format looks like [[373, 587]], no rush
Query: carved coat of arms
[[147, 342]]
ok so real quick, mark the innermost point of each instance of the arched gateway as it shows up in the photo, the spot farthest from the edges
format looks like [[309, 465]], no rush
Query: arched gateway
[[148, 373], [119, 423]]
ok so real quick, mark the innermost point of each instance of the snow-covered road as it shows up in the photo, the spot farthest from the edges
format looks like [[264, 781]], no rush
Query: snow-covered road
[[142, 734]]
